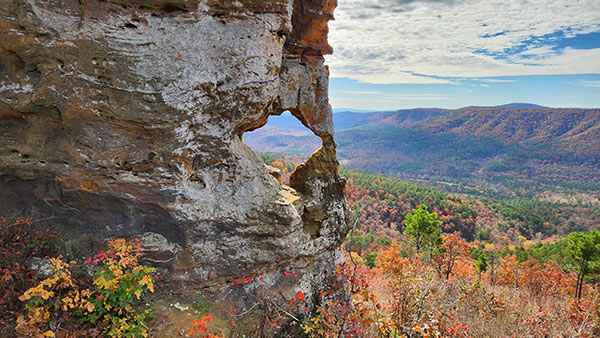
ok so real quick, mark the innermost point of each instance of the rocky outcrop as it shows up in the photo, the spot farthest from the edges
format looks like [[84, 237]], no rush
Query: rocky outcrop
[[126, 118]]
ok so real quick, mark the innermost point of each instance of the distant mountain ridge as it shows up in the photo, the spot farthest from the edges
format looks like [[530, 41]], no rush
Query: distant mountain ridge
[[575, 126], [384, 119], [520, 105], [522, 124], [352, 110]]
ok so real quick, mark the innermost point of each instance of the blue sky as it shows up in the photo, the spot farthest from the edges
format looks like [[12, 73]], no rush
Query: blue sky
[[393, 54]]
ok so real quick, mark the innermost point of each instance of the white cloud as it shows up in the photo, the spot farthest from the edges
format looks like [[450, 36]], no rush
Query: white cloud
[[418, 97], [538, 51], [360, 92], [387, 101], [498, 81], [404, 41], [590, 83]]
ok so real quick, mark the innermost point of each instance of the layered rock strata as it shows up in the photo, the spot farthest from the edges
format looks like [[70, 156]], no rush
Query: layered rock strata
[[124, 118]]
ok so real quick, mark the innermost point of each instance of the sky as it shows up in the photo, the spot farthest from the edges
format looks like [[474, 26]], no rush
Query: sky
[[395, 54]]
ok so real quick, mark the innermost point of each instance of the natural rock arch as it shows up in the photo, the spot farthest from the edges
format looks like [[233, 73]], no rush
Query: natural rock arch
[[123, 118]]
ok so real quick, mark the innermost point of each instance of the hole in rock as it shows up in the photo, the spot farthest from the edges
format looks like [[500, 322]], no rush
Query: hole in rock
[[198, 181], [283, 143], [171, 7]]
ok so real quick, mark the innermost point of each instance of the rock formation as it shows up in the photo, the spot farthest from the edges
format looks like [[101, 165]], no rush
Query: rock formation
[[125, 118]]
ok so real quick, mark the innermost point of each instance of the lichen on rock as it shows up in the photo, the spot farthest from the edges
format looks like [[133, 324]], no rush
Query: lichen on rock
[[126, 118]]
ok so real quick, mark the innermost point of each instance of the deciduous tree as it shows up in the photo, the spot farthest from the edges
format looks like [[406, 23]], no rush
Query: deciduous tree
[[452, 249]]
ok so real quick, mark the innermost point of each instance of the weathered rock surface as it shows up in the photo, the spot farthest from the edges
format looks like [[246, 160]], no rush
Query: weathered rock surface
[[126, 118]]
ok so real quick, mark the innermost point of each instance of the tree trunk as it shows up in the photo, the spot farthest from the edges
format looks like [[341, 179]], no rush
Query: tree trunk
[[449, 270], [580, 277]]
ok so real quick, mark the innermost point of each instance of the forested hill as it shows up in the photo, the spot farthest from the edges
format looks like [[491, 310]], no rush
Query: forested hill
[[386, 119], [577, 129], [498, 150], [383, 202], [574, 129]]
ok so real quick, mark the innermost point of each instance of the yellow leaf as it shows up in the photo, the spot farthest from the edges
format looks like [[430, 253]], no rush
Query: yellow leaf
[[151, 286], [48, 334], [47, 294], [89, 306], [146, 280]]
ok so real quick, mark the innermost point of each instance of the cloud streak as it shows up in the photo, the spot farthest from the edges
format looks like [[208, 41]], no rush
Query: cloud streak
[[590, 83], [418, 97], [498, 81], [410, 41], [388, 101], [360, 92]]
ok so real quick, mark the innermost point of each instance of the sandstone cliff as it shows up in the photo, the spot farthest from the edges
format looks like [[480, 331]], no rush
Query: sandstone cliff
[[126, 118]]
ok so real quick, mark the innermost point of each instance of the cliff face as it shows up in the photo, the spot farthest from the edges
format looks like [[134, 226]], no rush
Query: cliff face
[[125, 118]]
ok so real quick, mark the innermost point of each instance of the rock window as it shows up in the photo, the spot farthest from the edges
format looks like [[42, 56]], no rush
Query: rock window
[[283, 143]]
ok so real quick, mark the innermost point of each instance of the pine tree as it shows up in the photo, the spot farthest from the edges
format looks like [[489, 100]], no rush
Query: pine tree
[[481, 264], [584, 253], [424, 229]]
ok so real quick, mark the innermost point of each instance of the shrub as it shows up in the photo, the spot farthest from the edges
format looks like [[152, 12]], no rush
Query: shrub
[[57, 294], [117, 286], [20, 245]]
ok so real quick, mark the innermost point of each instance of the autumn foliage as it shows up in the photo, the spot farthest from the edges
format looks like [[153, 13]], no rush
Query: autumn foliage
[[410, 296], [466, 285], [42, 296]]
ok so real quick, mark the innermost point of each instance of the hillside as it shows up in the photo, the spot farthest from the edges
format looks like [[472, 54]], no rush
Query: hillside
[[575, 128], [505, 282], [386, 119], [520, 105], [383, 202], [544, 153]]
